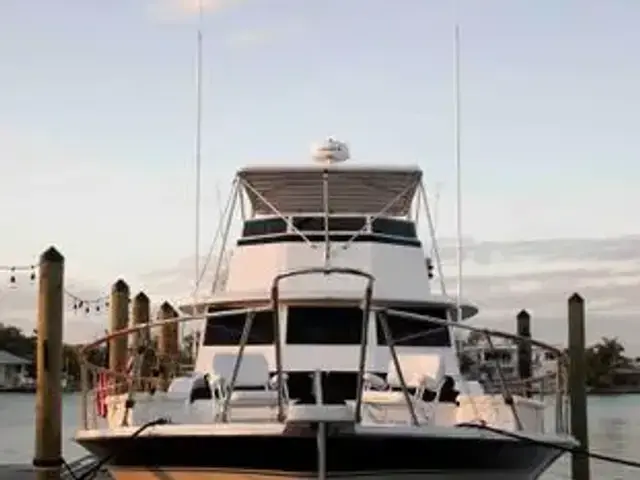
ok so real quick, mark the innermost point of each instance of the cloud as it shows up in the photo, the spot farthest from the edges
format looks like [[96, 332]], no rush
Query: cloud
[[501, 277], [171, 10], [252, 37], [193, 6], [505, 277]]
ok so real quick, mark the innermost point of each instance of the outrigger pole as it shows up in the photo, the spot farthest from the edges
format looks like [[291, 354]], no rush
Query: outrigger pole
[[198, 159]]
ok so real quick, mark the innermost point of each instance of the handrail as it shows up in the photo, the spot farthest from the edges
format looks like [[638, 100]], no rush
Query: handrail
[[367, 306], [464, 326], [326, 270], [244, 339], [159, 323]]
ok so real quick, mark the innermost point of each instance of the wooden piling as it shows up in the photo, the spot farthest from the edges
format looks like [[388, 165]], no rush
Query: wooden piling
[[168, 345], [119, 320], [577, 386], [141, 347], [523, 329], [47, 458], [140, 314]]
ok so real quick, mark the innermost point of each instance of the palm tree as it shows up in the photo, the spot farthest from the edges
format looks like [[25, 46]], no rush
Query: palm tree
[[602, 359]]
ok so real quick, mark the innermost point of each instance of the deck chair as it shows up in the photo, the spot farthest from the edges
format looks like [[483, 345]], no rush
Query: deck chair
[[421, 372], [254, 387]]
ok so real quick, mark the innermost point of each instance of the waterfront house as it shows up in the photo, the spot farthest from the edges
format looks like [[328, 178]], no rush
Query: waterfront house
[[485, 360], [12, 370]]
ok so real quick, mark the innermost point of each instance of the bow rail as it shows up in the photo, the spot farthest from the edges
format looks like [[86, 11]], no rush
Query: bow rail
[[136, 379]]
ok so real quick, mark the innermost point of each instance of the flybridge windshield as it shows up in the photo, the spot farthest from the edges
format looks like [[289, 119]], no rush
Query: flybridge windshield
[[340, 229]]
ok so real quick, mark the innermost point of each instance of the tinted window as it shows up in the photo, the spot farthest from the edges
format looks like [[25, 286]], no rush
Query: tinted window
[[309, 224], [397, 228], [324, 325], [268, 226], [416, 333], [336, 224], [228, 330], [346, 224]]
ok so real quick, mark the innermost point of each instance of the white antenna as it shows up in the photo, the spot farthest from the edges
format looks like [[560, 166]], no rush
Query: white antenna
[[436, 209], [198, 148], [456, 121]]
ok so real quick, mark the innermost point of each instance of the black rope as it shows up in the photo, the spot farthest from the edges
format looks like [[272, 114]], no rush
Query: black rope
[[563, 448], [95, 469], [69, 469]]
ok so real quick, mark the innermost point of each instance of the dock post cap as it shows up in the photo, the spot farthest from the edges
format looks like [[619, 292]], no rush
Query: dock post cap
[[168, 308], [120, 286], [51, 255], [523, 314], [141, 297], [576, 298]]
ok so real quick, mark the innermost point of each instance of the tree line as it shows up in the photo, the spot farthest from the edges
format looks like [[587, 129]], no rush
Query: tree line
[[23, 345]]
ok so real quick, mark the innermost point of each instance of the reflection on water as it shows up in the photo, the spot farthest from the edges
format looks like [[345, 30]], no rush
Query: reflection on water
[[614, 429], [17, 419]]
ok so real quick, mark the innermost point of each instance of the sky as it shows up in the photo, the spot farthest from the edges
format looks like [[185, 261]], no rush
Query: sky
[[97, 126]]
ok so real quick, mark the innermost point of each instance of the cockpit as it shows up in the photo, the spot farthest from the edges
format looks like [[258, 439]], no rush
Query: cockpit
[[325, 335]]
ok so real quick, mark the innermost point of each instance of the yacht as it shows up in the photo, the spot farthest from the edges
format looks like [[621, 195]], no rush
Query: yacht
[[326, 354]]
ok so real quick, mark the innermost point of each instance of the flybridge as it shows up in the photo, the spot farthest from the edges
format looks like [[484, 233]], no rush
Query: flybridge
[[330, 205], [329, 201]]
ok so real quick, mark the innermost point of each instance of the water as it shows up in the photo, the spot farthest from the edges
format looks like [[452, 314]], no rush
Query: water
[[614, 427]]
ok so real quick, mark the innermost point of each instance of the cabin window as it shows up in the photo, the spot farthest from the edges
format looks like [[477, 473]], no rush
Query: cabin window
[[346, 224], [227, 330], [396, 228], [416, 333], [324, 325], [264, 226], [309, 224], [336, 224]]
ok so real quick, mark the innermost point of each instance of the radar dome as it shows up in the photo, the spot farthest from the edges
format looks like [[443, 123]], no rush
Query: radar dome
[[330, 151]]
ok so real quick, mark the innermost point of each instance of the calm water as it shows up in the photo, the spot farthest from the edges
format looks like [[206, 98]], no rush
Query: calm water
[[614, 424]]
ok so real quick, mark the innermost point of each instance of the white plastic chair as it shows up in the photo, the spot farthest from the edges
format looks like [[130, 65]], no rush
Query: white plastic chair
[[254, 387], [421, 372]]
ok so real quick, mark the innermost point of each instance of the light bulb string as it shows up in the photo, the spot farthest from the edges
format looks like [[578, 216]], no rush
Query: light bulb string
[[79, 303]]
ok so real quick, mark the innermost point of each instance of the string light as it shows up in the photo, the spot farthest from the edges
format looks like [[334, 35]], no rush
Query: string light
[[17, 275], [88, 306]]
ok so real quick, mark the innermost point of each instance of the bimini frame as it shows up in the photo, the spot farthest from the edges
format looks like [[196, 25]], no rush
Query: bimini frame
[[413, 191]]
